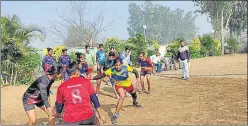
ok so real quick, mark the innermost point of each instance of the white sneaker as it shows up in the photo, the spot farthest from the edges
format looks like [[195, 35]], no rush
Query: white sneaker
[[128, 94]]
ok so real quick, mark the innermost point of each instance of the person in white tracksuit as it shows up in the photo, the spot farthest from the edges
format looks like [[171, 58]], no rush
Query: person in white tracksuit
[[184, 56]]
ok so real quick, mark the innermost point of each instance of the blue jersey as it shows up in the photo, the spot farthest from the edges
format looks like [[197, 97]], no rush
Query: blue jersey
[[101, 57]]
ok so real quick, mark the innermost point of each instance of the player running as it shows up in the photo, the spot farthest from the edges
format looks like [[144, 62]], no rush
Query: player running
[[74, 97], [146, 70], [37, 94], [119, 74]]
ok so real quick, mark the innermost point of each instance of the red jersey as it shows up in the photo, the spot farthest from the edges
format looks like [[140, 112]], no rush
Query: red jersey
[[145, 64], [75, 95]]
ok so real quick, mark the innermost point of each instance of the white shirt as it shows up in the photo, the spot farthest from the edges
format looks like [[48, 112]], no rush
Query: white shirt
[[155, 59]]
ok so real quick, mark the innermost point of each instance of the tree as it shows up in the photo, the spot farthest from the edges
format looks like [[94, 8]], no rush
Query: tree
[[74, 29], [162, 24], [16, 37], [16, 53], [219, 12], [238, 19], [113, 42], [140, 45]]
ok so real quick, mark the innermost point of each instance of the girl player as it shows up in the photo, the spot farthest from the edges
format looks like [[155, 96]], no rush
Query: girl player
[[37, 94], [122, 82], [146, 70], [106, 65], [84, 70]]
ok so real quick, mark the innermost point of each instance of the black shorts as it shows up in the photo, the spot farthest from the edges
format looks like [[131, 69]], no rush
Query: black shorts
[[28, 107], [144, 73], [91, 121]]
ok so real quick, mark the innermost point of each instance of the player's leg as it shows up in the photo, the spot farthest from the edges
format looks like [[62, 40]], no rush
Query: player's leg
[[149, 82], [98, 85], [186, 69], [133, 93], [121, 93], [183, 70], [142, 78], [29, 109], [48, 111]]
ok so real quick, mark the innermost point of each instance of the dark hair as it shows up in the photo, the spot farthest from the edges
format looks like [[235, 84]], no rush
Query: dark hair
[[112, 48], [79, 55], [72, 67], [87, 46], [111, 53], [100, 45], [142, 53], [181, 40], [127, 49], [55, 70], [63, 50], [117, 59], [48, 49]]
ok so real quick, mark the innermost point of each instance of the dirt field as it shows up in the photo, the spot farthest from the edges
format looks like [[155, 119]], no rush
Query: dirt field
[[204, 99]]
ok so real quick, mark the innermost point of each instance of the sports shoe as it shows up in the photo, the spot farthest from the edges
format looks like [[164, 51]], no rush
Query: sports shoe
[[148, 92], [186, 78], [115, 117], [137, 104], [128, 94]]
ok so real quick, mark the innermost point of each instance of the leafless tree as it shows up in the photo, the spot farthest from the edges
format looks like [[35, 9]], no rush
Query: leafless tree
[[75, 29]]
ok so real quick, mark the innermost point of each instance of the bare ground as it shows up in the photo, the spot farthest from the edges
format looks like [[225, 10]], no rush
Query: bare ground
[[201, 100]]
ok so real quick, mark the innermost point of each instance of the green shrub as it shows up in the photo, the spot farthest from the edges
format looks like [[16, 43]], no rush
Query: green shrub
[[113, 42], [232, 45], [195, 48]]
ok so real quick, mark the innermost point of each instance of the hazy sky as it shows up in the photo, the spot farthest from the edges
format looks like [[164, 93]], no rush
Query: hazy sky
[[42, 13]]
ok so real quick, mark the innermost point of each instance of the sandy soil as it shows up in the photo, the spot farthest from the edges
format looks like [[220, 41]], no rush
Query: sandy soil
[[201, 100]]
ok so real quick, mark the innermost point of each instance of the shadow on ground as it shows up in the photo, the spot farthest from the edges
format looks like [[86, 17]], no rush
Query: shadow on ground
[[107, 108]]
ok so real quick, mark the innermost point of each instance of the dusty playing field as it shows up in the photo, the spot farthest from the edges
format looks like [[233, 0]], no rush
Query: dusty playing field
[[203, 99]]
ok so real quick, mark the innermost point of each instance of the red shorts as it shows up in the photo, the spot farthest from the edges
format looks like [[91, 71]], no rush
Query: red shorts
[[128, 89]]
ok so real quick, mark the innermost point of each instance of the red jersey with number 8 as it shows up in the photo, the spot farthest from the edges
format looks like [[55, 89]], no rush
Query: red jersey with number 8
[[75, 93]]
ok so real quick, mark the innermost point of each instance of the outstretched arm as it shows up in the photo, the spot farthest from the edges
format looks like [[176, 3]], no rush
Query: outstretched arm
[[99, 76], [136, 73]]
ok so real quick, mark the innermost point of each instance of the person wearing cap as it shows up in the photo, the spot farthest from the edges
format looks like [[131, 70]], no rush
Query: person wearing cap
[[64, 61], [37, 94], [184, 55], [74, 98]]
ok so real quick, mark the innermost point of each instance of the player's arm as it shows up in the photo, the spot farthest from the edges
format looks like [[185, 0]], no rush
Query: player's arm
[[43, 62], [60, 61], [44, 95], [69, 59], [136, 73], [99, 76], [94, 99], [178, 55], [188, 54], [59, 104]]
